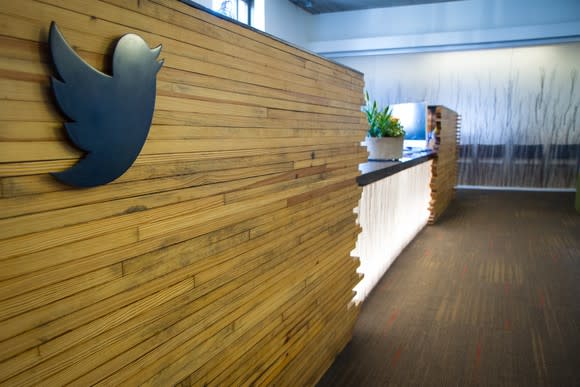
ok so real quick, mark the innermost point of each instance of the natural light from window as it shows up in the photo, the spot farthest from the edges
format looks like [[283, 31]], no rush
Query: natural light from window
[[250, 12]]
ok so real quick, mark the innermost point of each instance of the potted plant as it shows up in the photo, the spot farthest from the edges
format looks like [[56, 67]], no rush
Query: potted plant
[[385, 135]]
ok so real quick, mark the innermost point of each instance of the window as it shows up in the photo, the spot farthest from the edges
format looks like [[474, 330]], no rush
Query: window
[[240, 10]]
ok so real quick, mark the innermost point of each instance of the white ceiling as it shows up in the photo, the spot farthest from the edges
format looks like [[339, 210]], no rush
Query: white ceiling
[[326, 6]]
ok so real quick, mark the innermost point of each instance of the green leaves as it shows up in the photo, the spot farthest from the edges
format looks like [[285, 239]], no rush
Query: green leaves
[[381, 122]]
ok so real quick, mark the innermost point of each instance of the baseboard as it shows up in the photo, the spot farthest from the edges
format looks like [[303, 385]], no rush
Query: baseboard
[[498, 188]]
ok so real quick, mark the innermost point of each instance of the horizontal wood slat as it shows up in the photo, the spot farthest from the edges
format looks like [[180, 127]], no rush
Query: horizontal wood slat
[[222, 256]]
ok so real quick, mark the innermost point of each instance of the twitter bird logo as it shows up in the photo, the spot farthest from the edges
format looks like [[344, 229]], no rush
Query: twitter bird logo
[[110, 115]]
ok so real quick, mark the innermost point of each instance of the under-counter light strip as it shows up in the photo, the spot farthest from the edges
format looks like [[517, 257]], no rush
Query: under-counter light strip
[[391, 213]]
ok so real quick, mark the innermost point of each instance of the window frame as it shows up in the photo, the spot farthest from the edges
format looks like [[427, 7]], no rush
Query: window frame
[[236, 8]]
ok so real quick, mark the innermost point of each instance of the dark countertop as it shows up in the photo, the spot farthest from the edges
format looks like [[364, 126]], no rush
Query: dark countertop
[[376, 170]]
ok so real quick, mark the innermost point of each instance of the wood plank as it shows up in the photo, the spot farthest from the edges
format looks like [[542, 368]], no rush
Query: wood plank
[[34, 299], [51, 312], [27, 224], [170, 80], [256, 45], [181, 77], [28, 111], [20, 131], [123, 314], [256, 54], [31, 243], [317, 62], [277, 365], [78, 34], [174, 352], [53, 150], [157, 167], [288, 189], [196, 186], [219, 307], [105, 254]]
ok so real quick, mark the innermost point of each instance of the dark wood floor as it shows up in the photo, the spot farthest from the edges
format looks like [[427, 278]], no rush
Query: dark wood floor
[[490, 296]]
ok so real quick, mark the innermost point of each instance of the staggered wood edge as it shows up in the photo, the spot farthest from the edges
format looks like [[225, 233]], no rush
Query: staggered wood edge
[[444, 169], [223, 255]]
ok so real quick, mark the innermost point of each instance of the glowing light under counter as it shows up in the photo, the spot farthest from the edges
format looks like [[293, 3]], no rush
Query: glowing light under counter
[[391, 212]]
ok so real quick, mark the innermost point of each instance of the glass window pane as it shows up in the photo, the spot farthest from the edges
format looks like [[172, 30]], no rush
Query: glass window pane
[[225, 7], [236, 9], [243, 11]]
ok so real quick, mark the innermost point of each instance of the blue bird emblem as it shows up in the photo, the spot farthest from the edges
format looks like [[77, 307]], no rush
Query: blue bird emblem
[[110, 115]]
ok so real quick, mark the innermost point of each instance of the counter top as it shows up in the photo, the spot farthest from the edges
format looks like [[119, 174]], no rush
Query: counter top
[[376, 170]]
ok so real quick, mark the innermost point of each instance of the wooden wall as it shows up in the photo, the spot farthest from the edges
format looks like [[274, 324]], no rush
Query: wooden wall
[[444, 168], [223, 255]]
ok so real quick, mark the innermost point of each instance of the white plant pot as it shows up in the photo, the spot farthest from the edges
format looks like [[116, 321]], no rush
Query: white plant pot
[[384, 148]]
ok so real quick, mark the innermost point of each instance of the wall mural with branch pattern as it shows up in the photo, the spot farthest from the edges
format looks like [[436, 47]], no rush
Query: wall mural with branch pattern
[[519, 107]]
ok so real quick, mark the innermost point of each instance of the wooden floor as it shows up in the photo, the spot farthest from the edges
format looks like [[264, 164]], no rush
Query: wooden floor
[[490, 296]]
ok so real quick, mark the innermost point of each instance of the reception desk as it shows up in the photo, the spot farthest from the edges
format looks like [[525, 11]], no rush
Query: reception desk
[[222, 255], [400, 197]]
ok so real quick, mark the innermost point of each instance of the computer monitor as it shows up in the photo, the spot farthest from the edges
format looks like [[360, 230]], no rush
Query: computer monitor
[[413, 117]]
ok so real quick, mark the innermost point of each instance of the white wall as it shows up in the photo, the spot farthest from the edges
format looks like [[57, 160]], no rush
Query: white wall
[[452, 24], [522, 95], [499, 92], [288, 22]]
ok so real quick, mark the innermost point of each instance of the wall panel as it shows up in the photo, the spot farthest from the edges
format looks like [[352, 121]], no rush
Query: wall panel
[[222, 256], [512, 102]]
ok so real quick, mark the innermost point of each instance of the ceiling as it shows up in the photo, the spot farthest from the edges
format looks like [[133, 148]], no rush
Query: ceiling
[[326, 6]]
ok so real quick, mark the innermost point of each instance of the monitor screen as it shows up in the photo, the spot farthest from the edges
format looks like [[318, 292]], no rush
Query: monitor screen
[[413, 117]]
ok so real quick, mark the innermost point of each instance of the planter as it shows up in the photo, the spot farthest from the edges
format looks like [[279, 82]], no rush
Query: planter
[[384, 148]]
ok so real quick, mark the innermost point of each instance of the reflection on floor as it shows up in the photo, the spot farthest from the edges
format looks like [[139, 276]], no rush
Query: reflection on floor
[[489, 296]]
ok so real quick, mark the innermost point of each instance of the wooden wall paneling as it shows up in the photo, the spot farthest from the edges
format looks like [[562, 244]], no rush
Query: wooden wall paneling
[[280, 354], [67, 254], [444, 169], [178, 174], [69, 14], [223, 255], [306, 59], [276, 298], [288, 333], [141, 375], [108, 354]]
